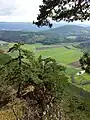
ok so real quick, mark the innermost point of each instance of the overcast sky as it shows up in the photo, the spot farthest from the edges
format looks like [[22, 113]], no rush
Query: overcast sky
[[20, 10]]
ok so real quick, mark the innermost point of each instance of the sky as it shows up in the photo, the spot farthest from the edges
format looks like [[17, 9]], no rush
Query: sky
[[19, 10], [22, 11]]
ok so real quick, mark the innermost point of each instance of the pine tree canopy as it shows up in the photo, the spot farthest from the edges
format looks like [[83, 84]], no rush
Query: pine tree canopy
[[67, 10]]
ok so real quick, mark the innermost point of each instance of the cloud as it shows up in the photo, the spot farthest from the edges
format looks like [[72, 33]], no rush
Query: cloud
[[7, 11], [7, 7], [19, 10]]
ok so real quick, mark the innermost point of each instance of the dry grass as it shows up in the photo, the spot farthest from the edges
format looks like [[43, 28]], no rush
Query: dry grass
[[7, 115], [9, 112]]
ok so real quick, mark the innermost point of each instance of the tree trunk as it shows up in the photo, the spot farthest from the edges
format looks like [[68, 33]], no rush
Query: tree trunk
[[18, 92]]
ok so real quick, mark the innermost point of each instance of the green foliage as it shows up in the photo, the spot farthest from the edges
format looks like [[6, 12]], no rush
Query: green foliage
[[85, 62], [15, 47], [40, 82], [45, 75], [4, 58], [41, 71], [76, 109], [85, 46], [62, 10]]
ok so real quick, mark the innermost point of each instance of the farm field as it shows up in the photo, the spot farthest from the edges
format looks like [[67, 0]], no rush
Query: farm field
[[85, 77], [64, 54], [61, 54], [83, 81]]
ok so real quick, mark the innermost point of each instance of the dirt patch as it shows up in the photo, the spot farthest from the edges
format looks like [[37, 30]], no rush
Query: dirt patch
[[49, 47], [75, 64], [2, 51]]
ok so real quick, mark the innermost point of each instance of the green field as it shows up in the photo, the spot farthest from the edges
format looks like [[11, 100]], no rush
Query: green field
[[85, 77], [84, 81], [60, 53], [64, 54], [4, 58]]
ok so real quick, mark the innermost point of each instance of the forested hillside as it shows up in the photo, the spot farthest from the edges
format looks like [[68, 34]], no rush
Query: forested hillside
[[62, 34]]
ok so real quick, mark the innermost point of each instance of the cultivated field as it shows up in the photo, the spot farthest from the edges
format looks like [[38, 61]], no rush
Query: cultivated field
[[61, 54], [64, 54]]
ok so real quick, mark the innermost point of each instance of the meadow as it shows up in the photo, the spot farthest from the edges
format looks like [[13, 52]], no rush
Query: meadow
[[83, 81], [61, 54], [64, 54]]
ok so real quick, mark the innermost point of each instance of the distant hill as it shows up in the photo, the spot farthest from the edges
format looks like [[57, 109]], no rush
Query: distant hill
[[20, 26], [24, 26], [62, 34], [69, 30]]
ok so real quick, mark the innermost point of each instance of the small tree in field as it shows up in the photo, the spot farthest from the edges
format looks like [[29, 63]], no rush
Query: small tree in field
[[85, 62]]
